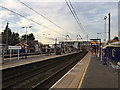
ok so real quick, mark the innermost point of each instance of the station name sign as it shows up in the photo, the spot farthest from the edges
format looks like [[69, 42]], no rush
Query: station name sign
[[14, 47]]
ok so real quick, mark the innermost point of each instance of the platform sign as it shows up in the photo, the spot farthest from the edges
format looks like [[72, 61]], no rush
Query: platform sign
[[14, 47], [75, 45]]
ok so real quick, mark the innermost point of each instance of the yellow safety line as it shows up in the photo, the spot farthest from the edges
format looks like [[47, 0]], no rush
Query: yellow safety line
[[83, 77]]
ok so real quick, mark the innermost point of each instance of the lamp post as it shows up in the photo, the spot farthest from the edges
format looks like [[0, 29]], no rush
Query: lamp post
[[26, 39], [109, 27], [6, 28], [105, 29]]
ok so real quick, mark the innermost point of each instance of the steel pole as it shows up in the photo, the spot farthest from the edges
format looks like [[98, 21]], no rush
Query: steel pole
[[109, 28], [105, 29], [26, 39], [26, 42], [7, 33]]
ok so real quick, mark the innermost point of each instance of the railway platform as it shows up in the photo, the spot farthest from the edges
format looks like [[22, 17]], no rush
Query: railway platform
[[90, 73], [30, 59]]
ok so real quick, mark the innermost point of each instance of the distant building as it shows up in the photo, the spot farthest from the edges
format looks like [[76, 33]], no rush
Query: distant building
[[32, 45], [22, 44]]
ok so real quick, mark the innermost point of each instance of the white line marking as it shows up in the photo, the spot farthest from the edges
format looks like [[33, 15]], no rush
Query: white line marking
[[65, 75], [29, 62]]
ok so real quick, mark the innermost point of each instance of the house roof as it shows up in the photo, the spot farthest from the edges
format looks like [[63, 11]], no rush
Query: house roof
[[21, 44]]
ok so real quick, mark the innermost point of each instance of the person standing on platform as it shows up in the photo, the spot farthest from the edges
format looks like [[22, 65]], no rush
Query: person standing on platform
[[105, 56]]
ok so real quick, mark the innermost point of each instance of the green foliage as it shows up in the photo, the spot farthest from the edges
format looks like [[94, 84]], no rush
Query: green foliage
[[13, 38], [29, 37]]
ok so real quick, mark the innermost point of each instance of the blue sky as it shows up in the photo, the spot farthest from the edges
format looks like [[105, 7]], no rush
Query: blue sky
[[91, 15]]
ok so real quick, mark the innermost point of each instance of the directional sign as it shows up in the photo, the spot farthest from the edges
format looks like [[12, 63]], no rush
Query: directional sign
[[14, 47], [94, 42]]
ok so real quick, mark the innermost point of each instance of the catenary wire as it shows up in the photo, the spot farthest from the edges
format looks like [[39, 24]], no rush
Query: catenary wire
[[30, 20]]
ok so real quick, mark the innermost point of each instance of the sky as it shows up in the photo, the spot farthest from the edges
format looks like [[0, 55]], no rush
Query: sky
[[91, 15]]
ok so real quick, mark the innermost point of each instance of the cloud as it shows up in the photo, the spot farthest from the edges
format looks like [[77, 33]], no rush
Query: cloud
[[90, 14], [70, 0], [92, 17], [5, 15], [24, 22]]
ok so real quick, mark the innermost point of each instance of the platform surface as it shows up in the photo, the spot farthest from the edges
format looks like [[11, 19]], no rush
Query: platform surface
[[99, 75], [31, 59], [72, 78], [90, 73]]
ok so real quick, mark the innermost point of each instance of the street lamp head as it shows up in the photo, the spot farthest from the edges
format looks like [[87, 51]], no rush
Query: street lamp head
[[27, 27], [30, 26], [23, 27], [105, 17]]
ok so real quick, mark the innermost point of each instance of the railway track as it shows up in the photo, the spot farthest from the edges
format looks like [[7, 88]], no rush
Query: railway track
[[45, 75]]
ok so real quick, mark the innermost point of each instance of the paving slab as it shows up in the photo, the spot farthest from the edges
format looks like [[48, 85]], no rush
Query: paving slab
[[71, 78], [99, 75], [90, 73]]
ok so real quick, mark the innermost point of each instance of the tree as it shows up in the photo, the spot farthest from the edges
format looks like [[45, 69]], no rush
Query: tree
[[13, 38], [23, 37], [29, 37], [4, 36]]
